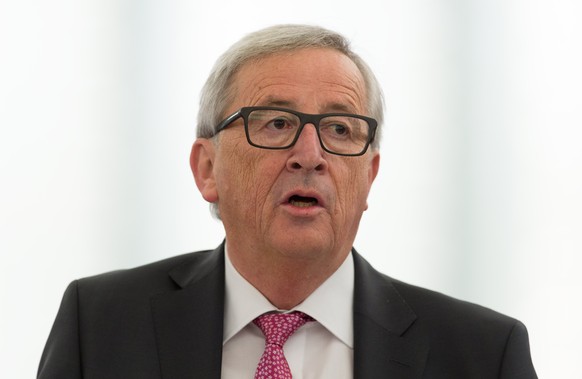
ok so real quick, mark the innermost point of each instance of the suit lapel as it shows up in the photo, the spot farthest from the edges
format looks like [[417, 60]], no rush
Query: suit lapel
[[386, 342], [188, 322]]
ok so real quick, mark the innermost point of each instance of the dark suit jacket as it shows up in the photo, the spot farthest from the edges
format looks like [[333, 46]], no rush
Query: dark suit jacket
[[164, 320]]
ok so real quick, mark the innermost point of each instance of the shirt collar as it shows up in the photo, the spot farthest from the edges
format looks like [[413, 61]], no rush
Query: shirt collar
[[331, 304]]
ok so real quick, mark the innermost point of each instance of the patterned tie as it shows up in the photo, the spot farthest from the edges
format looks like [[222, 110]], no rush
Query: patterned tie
[[277, 328]]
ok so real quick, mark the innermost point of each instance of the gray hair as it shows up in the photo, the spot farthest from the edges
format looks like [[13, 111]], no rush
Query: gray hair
[[218, 91]]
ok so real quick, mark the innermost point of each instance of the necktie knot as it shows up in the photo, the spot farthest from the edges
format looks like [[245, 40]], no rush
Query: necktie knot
[[277, 328]]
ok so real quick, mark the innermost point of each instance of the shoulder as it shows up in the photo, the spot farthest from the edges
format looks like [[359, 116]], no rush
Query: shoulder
[[435, 312], [146, 280], [441, 309], [461, 331], [146, 271]]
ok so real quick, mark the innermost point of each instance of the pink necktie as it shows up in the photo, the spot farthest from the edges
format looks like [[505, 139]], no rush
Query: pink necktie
[[277, 328]]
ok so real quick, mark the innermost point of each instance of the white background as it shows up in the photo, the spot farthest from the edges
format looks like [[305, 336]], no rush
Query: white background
[[480, 190]]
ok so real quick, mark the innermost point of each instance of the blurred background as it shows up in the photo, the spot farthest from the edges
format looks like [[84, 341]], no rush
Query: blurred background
[[479, 194]]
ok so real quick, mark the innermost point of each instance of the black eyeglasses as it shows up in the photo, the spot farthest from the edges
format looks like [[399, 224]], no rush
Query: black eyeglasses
[[279, 128]]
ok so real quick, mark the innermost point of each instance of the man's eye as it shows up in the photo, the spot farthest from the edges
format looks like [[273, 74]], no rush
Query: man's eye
[[279, 124], [339, 129], [336, 130]]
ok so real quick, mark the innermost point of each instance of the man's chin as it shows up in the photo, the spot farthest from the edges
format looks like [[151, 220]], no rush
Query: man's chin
[[303, 246]]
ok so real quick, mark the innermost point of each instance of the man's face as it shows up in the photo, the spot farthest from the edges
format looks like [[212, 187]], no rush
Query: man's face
[[299, 203]]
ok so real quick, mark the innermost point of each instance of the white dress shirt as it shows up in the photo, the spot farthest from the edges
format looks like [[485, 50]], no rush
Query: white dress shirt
[[318, 350]]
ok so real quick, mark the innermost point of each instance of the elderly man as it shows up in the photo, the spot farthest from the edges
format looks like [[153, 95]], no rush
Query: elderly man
[[287, 151]]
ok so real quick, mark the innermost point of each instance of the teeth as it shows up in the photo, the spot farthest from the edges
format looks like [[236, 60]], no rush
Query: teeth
[[302, 204]]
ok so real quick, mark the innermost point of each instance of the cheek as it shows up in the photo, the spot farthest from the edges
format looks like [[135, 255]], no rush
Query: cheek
[[236, 177], [244, 183], [352, 190], [265, 173]]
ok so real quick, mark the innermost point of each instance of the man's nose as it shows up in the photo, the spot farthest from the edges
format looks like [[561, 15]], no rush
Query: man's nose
[[307, 152]]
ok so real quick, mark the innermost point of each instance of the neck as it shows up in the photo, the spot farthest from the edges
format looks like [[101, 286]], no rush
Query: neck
[[285, 281]]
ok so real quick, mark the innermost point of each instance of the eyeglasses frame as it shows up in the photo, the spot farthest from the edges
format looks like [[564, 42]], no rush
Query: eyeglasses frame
[[304, 118]]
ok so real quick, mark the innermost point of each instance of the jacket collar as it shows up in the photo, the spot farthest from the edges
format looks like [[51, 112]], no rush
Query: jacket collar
[[386, 343], [188, 322]]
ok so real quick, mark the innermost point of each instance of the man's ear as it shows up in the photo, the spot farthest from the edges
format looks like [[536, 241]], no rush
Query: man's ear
[[373, 171], [374, 167], [202, 165]]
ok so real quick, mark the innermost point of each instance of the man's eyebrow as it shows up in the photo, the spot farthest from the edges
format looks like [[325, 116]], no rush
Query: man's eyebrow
[[330, 108], [340, 107], [272, 102]]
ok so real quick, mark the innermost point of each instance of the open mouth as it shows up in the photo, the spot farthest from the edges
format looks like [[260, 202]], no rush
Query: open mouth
[[302, 202]]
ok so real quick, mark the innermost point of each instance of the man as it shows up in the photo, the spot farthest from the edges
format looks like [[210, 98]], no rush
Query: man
[[287, 151]]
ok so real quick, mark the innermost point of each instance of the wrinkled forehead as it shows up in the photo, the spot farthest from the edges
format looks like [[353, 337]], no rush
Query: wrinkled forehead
[[290, 78]]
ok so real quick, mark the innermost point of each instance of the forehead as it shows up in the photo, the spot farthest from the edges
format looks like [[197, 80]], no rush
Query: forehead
[[313, 80]]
